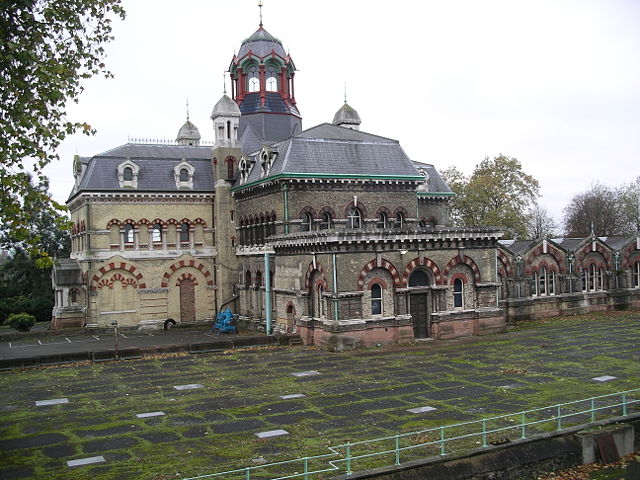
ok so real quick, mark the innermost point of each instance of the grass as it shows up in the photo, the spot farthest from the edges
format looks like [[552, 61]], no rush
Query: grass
[[359, 395]]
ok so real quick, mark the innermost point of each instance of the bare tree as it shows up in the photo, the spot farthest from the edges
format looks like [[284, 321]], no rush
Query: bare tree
[[540, 223], [597, 208], [630, 205]]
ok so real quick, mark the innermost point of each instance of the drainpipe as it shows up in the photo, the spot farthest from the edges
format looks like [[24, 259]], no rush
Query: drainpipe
[[285, 197], [267, 292], [335, 289]]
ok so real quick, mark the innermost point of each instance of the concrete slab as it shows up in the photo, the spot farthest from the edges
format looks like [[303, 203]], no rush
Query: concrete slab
[[293, 395], [604, 378], [272, 433], [53, 401], [149, 414], [189, 386], [85, 461], [421, 409], [307, 373]]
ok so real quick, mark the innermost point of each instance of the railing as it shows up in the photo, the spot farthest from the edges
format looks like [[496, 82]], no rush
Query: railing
[[444, 440]]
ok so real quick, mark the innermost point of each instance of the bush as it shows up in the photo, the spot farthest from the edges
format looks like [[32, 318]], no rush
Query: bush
[[22, 322]]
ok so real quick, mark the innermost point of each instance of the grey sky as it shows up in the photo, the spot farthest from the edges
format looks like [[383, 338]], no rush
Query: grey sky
[[554, 83]]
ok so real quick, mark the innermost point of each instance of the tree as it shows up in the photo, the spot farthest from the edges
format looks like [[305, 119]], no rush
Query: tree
[[540, 223], [630, 205], [47, 48], [598, 209], [498, 193]]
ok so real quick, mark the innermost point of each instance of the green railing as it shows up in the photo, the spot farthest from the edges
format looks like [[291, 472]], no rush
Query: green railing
[[444, 440]]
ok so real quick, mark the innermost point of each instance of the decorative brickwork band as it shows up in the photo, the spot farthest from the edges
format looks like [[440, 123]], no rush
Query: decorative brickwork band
[[116, 277], [186, 276], [387, 265], [505, 262], [426, 262], [551, 250], [310, 270], [587, 248], [457, 260], [117, 266], [184, 264]]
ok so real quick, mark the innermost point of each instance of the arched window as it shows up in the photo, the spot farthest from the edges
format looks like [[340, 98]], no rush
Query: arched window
[[636, 274], [230, 168], [542, 278], [247, 279], [383, 220], [320, 308], [422, 223], [127, 174], [253, 79], [272, 78], [184, 233], [457, 293], [399, 222], [419, 278], [376, 299], [184, 175], [354, 218], [73, 296], [325, 222], [156, 233], [307, 222], [128, 233]]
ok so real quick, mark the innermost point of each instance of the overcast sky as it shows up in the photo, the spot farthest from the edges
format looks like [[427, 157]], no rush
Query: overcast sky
[[554, 83]]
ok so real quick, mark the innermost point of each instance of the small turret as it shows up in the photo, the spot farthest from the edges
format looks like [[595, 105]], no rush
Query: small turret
[[226, 118], [188, 134], [347, 117]]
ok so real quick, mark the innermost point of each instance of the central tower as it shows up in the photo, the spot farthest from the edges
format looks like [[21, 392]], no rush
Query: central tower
[[262, 86]]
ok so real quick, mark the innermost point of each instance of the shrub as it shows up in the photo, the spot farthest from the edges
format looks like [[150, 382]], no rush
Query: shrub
[[22, 322]]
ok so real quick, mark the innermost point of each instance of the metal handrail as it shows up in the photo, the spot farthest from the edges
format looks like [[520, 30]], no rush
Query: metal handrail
[[345, 451]]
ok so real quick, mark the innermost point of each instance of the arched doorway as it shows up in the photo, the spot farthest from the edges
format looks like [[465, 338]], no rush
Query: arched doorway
[[187, 300], [291, 315], [419, 302]]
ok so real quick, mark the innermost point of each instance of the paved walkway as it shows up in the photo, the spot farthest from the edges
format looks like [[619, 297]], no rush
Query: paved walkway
[[42, 349], [210, 423]]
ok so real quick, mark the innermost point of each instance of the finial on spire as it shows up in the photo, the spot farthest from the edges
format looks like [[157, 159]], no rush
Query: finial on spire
[[592, 230], [345, 91], [224, 82], [187, 109], [260, 6]]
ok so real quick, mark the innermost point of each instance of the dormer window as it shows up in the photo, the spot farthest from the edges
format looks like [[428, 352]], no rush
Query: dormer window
[[183, 173], [245, 168], [267, 157], [128, 174]]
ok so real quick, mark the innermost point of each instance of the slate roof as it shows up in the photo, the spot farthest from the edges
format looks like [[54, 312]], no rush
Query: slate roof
[[518, 247], [188, 131], [347, 115], [273, 104], [331, 150], [251, 140], [261, 43], [435, 182], [156, 164]]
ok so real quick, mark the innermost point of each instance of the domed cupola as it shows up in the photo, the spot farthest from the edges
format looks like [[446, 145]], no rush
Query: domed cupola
[[262, 85], [347, 117], [188, 134], [226, 118]]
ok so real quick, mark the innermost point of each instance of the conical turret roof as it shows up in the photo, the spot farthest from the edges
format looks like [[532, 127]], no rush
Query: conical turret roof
[[188, 133], [225, 107], [261, 43], [346, 116]]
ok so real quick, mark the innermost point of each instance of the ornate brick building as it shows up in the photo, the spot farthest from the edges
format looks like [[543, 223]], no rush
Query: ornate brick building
[[329, 231]]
